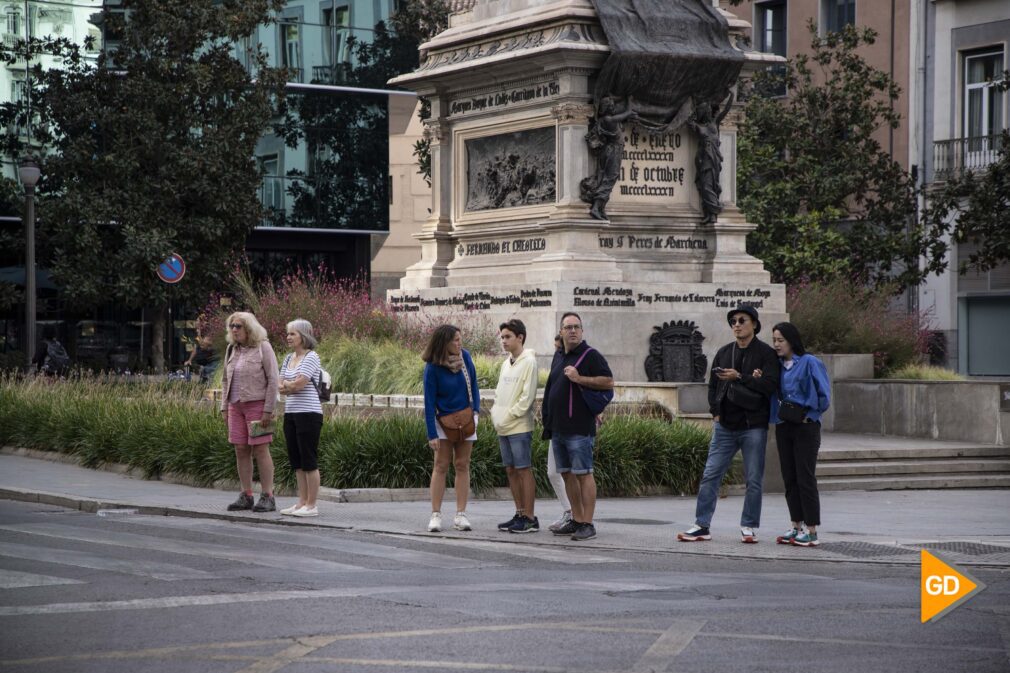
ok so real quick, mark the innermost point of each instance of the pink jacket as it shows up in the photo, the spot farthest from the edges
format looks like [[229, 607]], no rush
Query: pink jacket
[[256, 379]]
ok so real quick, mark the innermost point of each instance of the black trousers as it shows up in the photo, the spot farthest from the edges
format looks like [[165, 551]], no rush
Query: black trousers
[[301, 432], [798, 447]]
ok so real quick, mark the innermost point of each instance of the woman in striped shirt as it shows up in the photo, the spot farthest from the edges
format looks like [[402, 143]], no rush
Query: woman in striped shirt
[[303, 415]]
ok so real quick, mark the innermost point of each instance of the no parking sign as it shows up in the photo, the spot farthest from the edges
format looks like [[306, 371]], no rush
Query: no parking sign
[[172, 269]]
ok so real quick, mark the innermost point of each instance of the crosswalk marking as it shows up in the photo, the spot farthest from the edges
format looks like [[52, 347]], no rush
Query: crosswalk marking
[[554, 554], [317, 539], [70, 557], [292, 562], [15, 579]]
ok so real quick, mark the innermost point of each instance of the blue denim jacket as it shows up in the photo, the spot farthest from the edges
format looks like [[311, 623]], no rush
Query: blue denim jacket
[[805, 383]]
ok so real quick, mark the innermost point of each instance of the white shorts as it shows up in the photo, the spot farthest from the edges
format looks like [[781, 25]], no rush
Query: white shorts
[[441, 433]]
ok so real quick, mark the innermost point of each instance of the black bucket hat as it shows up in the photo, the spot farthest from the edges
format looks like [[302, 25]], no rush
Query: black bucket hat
[[748, 310]]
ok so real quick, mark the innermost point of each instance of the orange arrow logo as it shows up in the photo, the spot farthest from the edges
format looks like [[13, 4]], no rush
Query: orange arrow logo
[[943, 587]]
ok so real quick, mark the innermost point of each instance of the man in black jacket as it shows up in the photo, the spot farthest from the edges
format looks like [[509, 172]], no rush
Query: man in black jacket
[[740, 404]]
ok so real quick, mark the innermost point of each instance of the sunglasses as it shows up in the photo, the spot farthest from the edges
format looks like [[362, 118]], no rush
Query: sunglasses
[[739, 321], [236, 325]]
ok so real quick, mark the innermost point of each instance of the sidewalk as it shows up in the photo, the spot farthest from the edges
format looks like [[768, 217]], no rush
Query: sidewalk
[[969, 527]]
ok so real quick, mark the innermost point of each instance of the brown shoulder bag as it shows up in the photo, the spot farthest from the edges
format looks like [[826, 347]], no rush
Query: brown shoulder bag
[[459, 425]]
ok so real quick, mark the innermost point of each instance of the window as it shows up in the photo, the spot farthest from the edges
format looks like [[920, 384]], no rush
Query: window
[[770, 27], [335, 33], [272, 192], [983, 104], [292, 48], [13, 22], [17, 90], [243, 51], [837, 14]]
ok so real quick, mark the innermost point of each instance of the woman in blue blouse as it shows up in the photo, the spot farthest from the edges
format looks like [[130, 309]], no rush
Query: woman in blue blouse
[[450, 386], [804, 394]]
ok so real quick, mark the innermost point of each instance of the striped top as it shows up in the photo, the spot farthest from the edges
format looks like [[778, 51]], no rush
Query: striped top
[[305, 400]]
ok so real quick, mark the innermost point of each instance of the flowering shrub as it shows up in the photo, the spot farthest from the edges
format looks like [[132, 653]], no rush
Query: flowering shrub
[[841, 316], [338, 308]]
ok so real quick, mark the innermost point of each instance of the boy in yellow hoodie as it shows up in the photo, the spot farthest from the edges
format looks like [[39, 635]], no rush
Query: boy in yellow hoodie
[[512, 415]]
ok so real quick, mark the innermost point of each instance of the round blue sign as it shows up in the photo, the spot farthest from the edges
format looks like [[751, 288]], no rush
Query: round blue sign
[[172, 269]]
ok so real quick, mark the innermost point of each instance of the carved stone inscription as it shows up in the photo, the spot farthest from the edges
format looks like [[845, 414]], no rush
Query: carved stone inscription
[[511, 169], [474, 301], [504, 98], [608, 296], [654, 168]]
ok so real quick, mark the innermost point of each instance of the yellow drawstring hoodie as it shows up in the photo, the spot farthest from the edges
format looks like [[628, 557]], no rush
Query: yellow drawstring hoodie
[[512, 412]]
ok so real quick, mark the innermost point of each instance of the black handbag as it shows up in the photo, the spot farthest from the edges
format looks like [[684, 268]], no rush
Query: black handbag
[[744, 397], [791, 412]]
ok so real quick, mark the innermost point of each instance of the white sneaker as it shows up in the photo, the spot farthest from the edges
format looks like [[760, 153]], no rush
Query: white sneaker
[[748, 536], [435, 524], [306, 511], [460, 522], [291, 510]]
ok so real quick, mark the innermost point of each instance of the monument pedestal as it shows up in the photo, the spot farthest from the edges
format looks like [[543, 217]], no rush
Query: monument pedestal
[[511, 86]]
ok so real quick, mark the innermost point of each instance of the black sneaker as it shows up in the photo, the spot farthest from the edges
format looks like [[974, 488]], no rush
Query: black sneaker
[[526, 525], [568, 529], [265, 504], [586, 531], [245, 501], [506, 525]]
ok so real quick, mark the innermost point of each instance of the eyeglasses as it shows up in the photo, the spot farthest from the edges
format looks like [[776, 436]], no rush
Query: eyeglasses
[[236, 325], [571, 328], [739, 321]]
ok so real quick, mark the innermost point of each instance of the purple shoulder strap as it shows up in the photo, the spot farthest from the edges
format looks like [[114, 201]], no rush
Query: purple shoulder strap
[[571, 386]]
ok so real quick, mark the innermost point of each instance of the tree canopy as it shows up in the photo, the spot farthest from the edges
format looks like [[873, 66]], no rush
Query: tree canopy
[[828, 200]]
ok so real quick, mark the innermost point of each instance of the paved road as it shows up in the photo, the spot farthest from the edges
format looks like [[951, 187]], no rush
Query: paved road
[[84, 593]]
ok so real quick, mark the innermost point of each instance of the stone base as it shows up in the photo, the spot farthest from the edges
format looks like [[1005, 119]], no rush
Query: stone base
[[619, 317]]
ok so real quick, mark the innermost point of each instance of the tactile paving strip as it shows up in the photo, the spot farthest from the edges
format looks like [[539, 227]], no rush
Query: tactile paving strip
[[865, 549]]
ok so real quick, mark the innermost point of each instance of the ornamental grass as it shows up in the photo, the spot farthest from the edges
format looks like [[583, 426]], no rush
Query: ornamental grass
[[161, 428]]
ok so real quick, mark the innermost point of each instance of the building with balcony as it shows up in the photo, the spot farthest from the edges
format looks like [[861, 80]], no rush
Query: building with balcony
[[965, 44]]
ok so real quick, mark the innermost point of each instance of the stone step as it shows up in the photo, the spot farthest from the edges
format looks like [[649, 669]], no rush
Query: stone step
[[862, 468], [912, 453], [884, 483]]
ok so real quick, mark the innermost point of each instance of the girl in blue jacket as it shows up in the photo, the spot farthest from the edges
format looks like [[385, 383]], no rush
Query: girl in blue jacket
[[804, 394], [450, 386]]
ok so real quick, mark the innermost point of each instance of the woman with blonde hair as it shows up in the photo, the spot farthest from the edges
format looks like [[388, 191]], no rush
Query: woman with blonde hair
[[248, 393], [303, 414], [451, 404]]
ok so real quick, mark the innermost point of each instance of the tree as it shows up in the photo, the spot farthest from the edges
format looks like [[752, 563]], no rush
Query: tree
[[150, 152], [973, 208], [828, 200]]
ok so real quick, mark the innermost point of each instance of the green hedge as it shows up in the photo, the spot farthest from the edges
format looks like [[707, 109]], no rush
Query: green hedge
[[159, 429]]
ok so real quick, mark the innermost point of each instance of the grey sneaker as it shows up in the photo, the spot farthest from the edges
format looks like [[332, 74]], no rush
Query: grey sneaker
[[565, 518], [245, 501], [265, 504], [586, 531], [568, 529]]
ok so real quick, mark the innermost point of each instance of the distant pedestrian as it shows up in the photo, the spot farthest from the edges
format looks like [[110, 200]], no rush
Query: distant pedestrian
[[580, 378], [303, 415], [512, 415], [804, 395], [740, 404], [249, 393], [203, 357], [51, 357], [451, 406], [557, 481]]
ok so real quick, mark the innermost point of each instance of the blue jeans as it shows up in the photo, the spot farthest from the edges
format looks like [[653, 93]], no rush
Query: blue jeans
[[725, 444], [573, 453]]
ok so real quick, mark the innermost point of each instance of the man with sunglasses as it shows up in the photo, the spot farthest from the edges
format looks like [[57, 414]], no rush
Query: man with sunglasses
[[740, 404], [571, 426]]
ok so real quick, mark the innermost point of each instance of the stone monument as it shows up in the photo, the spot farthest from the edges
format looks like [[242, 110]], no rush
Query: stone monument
[[583, 158]]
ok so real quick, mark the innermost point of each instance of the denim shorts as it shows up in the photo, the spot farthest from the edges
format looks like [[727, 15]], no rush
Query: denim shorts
[[573, 453], [516, 450]]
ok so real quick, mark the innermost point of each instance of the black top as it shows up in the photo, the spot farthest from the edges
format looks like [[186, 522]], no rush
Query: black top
[[560, 394], [757, 355], [204, 356]]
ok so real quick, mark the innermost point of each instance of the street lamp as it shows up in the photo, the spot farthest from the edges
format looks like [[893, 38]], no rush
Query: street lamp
[[29, 173]]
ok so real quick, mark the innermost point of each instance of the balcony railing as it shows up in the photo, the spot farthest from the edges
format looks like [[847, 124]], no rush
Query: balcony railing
[[329, 74], [959, 155]]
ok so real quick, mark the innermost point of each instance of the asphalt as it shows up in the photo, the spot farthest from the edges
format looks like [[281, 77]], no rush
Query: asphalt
[[969, 527]]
